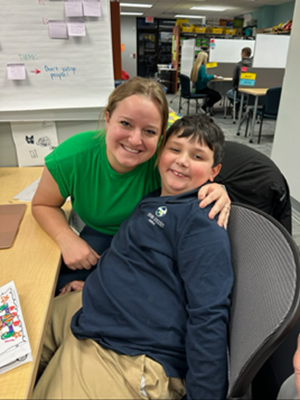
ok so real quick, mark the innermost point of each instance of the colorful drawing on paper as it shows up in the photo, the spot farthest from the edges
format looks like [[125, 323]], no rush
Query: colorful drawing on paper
[[10, 324], [14, 344]]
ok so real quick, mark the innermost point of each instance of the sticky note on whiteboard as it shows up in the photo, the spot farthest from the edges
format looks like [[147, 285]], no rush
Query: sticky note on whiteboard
[[91, 8], [16, 72], [73, 8], [76, 28], [57, 29]]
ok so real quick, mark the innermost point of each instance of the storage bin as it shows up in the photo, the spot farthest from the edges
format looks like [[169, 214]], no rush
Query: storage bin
[[216, 30], [182, 21], [200, 29], [187, 28], [231, 31]]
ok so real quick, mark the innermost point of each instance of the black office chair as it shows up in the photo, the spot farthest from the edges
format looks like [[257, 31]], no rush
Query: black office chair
[[252, 178], [186, 93], [266, 293], [269, 110]]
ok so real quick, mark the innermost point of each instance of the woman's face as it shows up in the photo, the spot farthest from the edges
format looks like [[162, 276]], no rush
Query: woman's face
[[132, 132]]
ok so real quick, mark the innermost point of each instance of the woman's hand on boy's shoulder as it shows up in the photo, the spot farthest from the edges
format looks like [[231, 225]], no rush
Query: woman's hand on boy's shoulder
[[215, 192]]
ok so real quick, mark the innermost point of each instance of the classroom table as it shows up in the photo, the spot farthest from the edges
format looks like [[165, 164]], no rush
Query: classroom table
[[33, 263], [256, 92], [221, 85]]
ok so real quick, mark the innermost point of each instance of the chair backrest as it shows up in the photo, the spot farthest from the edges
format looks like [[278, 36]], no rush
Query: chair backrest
[[185, 85], [254, 179], [265, 298], [272, 101]]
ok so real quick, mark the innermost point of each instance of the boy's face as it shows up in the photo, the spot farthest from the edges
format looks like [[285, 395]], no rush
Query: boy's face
[[185, 165]]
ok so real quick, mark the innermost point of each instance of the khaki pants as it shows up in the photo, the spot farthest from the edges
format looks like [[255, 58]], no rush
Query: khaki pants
[[82, 369]]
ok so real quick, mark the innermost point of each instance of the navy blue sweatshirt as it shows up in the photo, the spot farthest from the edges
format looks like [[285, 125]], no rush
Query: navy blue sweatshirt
[[162, 289]]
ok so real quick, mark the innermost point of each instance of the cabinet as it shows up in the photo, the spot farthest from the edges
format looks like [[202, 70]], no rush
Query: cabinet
[[154, 45], [164, 47], [147, 53]]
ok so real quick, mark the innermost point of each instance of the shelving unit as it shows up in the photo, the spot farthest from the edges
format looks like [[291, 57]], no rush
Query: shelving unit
[[154, 45], [147, 53]]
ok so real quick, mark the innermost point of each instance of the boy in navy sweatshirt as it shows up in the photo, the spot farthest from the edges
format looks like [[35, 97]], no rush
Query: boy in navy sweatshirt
[[154, 314]]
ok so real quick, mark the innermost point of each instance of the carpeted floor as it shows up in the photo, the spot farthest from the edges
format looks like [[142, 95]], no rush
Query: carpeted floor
[[230, 131]]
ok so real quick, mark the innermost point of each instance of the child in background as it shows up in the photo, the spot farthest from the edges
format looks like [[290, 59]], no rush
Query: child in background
[[200, 78]]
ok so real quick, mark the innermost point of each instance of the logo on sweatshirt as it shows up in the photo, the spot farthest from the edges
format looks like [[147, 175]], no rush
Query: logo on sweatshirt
[[161, 211]]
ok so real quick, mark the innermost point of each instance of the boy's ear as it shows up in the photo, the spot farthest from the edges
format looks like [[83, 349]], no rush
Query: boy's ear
[[214, 171]]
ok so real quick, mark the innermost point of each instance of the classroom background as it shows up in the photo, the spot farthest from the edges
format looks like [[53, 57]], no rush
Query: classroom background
[[60, 62]]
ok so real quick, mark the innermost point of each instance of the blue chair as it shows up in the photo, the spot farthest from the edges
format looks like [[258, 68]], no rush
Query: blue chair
[[186, 93], [270, 108]]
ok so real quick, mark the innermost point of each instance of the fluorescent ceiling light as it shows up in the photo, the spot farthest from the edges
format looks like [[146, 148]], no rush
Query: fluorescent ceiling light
[[136, 5], [131, 13], [189, 16], [209, 8]]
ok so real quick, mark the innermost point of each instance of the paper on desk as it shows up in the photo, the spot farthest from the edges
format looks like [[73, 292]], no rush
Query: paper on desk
[[34, 141], [14, 343], [28, 193]]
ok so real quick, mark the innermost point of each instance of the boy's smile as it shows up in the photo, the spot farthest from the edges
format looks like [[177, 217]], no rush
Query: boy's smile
[[185, 165]]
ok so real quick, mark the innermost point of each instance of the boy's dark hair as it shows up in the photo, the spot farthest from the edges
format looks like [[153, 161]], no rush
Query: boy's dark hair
[[201, 128], [247, 51]]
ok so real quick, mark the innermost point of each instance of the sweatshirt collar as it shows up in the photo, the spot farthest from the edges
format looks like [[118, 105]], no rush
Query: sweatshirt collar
[[180, 198]]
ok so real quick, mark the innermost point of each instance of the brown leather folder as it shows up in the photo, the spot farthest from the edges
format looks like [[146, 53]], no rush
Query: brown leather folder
[[10, 218]]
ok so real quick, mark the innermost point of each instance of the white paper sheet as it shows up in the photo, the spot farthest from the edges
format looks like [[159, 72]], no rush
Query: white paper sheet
[[16, 72], [91, 8], [76, 28], [57, 29], [73, 8], [15, 348], [34, 141], [28, 193]]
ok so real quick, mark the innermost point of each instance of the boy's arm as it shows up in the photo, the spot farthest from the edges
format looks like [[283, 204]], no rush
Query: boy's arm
[[204, 264]]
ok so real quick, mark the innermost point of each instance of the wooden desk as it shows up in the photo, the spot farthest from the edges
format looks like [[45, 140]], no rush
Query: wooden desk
[[257, 92], [221, 85], [33, 263]]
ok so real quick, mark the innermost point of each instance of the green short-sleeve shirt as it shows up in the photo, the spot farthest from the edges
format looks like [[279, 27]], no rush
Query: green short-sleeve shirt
[[101, 197]]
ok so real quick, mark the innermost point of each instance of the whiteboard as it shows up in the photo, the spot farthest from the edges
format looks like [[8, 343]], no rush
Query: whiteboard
[[228, 50], [187, 56], [76, 72], [271, 51]]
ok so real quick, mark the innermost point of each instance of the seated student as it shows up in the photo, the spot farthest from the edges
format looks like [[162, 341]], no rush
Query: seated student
[[200, 78], [154, 313], [246, 61]]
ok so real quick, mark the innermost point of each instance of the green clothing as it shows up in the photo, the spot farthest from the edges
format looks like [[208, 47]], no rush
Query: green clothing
[[203, 78], [101, 197]]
